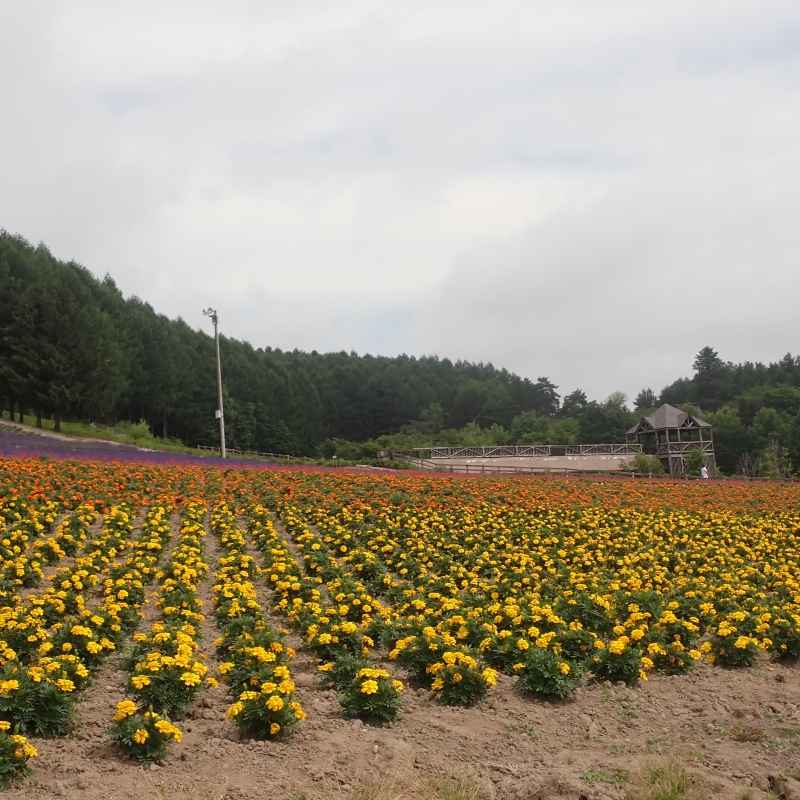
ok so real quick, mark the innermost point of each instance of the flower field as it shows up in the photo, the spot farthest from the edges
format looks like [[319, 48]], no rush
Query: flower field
[[388, 583]]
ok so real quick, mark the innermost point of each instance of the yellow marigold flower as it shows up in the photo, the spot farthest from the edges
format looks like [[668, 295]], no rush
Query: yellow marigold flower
[[140, 681], [274, 703], [564, 668], [437, 685], [4, 726], [65, 685], [618, 645], [274, 729], [234, 710], [141, 736], [369, 687], [696, 655], [190, 679]]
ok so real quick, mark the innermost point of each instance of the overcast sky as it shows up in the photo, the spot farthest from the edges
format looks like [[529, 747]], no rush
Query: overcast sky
[[587, 190]]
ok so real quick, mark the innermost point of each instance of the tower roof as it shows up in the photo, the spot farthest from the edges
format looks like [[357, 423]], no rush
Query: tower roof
[[667, 418]]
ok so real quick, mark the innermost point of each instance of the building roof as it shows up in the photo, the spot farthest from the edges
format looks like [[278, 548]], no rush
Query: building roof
[[667, 418]]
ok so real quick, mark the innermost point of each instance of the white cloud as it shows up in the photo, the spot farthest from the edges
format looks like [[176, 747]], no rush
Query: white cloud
[[513, 181]]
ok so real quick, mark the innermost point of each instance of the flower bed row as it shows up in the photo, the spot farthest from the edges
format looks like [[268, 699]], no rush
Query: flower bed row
[[336, 640], [23, 551], [165, 668], [53, 641], [255, 661], [433, 658]]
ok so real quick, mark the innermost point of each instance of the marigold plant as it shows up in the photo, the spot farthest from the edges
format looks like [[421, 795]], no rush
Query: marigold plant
[[373, 696], [14, 754]]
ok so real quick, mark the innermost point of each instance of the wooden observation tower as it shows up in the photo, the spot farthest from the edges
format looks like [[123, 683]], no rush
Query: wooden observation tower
[[671, 434]]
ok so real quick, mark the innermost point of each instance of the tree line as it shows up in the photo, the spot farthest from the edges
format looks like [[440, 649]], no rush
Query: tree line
[[72, 347]]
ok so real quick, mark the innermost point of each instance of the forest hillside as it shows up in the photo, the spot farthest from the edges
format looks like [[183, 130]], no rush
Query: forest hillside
[[73, 348]]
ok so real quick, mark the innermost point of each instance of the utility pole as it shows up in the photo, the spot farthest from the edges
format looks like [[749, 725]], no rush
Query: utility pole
[[210, 312]]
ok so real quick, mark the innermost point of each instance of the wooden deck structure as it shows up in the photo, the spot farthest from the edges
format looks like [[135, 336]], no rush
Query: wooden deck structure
[[549, 458], [668, 433], [671, 434]]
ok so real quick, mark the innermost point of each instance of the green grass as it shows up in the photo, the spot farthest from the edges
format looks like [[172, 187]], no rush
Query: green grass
[[523, 728], [605, 775], [627, 716], [665, 781], [138, 434]]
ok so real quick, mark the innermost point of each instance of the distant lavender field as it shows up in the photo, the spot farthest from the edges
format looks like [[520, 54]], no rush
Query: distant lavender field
[[16, 444]]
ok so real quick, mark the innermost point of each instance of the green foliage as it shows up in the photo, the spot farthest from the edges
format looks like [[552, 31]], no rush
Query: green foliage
[[645, 464], [341, 674], [785, 635], [458, 680], [695, 461], [731, 437], [646, 399], [14, 754], [623, 666], [144, 736], [372, 696], [35, 707], [665, 781], [605, 422], [164, 690], [271, 713], [546, 675], [733, 650]]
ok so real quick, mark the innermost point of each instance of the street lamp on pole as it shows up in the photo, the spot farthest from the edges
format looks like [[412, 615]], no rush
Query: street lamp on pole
[[210, 312]]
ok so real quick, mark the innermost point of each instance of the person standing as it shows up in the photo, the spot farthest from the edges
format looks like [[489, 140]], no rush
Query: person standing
[[704, 472]]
